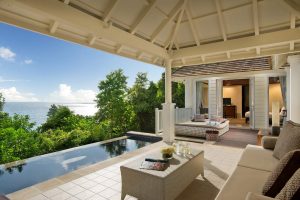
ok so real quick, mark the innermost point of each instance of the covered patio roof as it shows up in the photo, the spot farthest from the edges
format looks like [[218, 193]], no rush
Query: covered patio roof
[[187, 32]]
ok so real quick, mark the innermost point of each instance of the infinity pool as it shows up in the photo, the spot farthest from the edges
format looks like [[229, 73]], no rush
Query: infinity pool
[[38, 169]]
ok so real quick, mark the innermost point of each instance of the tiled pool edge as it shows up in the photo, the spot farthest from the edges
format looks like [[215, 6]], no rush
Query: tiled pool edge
[[31, 191]]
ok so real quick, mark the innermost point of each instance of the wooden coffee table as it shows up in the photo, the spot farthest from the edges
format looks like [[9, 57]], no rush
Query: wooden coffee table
[[161, 185]]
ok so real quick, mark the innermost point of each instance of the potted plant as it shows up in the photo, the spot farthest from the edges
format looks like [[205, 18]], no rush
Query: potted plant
[[167, 152]]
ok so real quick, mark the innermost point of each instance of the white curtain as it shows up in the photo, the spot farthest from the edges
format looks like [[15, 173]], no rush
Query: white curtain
[[282, 80]]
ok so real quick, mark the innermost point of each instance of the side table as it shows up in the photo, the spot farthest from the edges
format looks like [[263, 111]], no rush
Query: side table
[[260, 134]]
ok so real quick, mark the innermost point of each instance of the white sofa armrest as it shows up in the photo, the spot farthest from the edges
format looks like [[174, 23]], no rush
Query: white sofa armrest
[[254, 196]]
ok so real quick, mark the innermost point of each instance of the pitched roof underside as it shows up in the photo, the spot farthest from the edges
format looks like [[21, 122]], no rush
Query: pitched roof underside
[[247, 65], [189, 32]]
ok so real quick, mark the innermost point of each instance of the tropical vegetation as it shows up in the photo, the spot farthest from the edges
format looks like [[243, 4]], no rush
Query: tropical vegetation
[[120, 109]]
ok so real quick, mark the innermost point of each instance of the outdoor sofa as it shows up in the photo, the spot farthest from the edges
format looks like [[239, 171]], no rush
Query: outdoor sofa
[[258, 165]]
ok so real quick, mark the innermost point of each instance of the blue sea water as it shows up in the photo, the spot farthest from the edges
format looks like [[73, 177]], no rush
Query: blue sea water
[[37, 111]]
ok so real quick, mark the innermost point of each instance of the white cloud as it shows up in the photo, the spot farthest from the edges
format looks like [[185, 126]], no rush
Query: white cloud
[[7, 54], [65, 94], [3, 80], [28, 61], [12, 94]]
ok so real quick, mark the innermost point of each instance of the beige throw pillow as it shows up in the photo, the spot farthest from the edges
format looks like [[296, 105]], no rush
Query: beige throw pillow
[[288, 140]]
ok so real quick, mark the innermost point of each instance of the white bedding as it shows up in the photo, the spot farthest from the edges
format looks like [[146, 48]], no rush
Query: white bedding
[[247, 114]]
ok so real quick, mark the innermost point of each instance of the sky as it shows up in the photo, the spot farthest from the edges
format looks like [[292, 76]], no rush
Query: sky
[[35, 67]]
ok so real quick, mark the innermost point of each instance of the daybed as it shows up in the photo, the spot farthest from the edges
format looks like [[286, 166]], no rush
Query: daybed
[[198, 129]]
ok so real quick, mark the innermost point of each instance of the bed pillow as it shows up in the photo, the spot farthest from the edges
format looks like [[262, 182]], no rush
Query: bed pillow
[[288, 140], [291, 190], [282, 173]]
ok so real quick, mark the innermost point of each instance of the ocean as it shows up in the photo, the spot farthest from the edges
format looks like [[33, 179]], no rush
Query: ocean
[[37, 111]]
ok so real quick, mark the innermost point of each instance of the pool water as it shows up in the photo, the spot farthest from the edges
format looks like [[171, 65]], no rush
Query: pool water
[[38, 169]]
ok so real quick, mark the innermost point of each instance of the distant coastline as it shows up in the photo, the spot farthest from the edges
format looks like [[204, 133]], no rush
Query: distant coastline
[[37, 111]]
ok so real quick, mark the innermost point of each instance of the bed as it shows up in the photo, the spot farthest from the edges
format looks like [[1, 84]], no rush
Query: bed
[[247, 116], [198, 129]]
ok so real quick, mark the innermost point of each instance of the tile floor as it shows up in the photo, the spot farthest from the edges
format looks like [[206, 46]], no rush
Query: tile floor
[[105, 184]]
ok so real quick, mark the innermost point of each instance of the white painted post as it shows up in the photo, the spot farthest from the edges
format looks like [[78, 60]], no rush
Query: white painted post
[[261, 102], [156, 121], [293, 87], [168, 106]]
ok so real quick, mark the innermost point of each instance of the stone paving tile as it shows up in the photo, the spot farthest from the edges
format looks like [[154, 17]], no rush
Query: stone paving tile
[[85, 195]]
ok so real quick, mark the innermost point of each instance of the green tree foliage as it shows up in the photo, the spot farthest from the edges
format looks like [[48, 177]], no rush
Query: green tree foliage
[[120, 109], [60, 117], [143, 98], [177, 92], [113, 104], [2, 101]]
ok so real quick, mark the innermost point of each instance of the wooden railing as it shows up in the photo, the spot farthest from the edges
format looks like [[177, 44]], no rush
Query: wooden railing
[[181, 115]]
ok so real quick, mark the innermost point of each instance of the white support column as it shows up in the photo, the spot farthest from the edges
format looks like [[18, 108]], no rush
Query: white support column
[[168, 106], [212, 98], [293, 88], [261, 102], [188, 93]]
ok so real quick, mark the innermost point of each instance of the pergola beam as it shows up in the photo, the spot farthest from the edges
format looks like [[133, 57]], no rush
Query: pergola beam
[[221, 19], [233, 57], [53, 27], [266, 39], [110, 10], [255, 16], [64, 14], [173, 13], [194, 31], [142, 16], [174, 34]]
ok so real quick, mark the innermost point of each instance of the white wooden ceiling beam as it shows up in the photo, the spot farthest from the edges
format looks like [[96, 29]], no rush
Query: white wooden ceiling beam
[[65, 14], [173, 13], [176, 45], [142, 16], [255, 16], [292, 26], [228, 54], [67, 1], [221, 19], [155, 60], [139, 55], [177, 25], [207, 60], [53, 26], [192, 25], [251, 42], [91, 40], [293, 20], [257, 50], [110, 10]]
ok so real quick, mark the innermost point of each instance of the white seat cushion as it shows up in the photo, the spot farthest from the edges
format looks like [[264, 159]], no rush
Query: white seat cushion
[[257, 157], [242, 181]]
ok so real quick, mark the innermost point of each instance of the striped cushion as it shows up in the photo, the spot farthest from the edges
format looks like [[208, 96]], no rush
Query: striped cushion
[[282, 173]]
